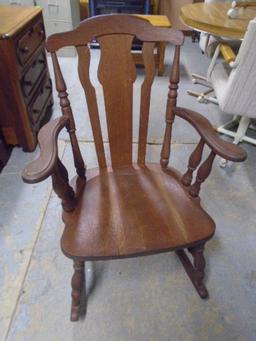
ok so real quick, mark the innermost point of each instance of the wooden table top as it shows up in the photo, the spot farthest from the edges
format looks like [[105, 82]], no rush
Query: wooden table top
[[212, 18], [12, 18]]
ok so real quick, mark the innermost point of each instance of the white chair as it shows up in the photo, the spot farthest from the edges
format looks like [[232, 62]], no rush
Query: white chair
[[208, 44], [234, 84]]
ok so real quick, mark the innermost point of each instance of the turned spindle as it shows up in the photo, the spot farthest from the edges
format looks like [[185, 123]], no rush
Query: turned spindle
[[194, 161], [67, 111], [77, 284], [171, 103], [62, 188], [202, 174]]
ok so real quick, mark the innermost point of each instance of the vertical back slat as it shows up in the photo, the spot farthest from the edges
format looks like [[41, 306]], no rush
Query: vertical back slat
[[117, 74], [90, 94], [149, 64]]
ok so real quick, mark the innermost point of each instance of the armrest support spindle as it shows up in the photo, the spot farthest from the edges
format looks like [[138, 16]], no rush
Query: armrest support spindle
[[62, 188], [194, 161], [202, 174]]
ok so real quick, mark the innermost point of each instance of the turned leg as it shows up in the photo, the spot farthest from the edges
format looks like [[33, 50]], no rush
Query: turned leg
[[77, 284], [195, 271]]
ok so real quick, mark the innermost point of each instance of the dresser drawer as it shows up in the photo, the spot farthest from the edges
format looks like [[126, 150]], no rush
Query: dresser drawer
[[31, 77], [36, 108], [29, 41]]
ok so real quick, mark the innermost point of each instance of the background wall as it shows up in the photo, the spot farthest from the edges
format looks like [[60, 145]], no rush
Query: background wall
[[171, 8]]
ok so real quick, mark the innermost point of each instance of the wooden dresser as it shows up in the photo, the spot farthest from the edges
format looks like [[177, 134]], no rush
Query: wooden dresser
[[25, 86]]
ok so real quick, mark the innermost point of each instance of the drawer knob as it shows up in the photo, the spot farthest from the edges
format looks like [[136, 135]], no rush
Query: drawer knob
[[36, 111], [41, 61], [24, 49], [31, 30], [41, 32], [28, 83]]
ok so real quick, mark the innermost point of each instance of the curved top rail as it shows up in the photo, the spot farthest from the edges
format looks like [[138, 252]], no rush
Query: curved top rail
[[101, 25]]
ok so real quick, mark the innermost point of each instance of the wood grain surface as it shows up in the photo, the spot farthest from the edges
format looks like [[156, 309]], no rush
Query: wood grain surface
[[212, 18], [133, 211], [122, 209]]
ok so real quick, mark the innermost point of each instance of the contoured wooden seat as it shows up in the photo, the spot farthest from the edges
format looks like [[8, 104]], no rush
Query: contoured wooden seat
[[126, 209], [131, 211]]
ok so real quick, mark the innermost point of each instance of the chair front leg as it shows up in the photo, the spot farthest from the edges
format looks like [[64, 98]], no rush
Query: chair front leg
[[77, 284], [195, 271]]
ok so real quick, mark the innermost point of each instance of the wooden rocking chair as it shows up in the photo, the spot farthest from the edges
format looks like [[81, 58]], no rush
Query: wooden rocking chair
[[128, 209]]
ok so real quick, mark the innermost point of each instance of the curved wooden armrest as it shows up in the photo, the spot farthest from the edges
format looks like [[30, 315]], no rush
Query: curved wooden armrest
[[39, 169], [227, 150]]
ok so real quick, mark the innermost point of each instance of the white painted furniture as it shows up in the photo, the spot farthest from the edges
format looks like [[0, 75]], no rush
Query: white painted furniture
[[234, 85], [207, 42], [60, 16]]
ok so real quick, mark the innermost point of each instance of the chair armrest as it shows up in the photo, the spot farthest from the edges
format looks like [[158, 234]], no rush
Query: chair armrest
[[227, 150], [39, 169]]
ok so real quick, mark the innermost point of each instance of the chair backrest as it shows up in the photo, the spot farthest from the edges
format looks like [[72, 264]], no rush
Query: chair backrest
[[239, 97], [117, 73]]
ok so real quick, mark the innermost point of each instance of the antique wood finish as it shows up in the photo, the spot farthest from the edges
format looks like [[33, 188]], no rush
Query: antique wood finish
[[108, 224], [67, 112], [126, 209], [148, 59], [195, 272], [171, 103], [77, 284], [43, 167], [193, 163], [26, 89], [117, 74], [204, 128], [15, 18], [202, 174], [90, 94], [61, 186], [112, 24]]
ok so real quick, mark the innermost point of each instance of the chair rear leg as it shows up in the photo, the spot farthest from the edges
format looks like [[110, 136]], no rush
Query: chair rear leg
[[77, 284], [195, 271]]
